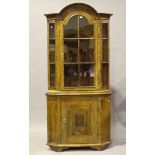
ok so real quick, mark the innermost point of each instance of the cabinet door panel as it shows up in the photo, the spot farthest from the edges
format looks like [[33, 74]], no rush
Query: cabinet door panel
[[79, 120]]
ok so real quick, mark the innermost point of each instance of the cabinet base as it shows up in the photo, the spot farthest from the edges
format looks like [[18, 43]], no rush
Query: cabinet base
[[62, 147], [99, 148], [58, 148]]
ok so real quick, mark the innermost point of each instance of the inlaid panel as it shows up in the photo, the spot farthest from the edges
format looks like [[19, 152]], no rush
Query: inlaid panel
[[79, 119]]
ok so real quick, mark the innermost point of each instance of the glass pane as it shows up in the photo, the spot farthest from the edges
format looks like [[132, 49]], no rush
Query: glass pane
[[87, 50], [52, 30], [71, 29], [86, 30], [71, 50], [86, 74], [52, 51], [105, 30], [104, 74], [52, 75], [104, 50], [71, 77]]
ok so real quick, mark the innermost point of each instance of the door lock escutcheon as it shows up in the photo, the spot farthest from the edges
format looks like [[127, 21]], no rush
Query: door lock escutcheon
[[64, 120]]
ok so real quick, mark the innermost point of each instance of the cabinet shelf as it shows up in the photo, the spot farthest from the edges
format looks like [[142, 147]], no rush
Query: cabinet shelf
[[79, 63], [104, 38], [77, 38], [51, 38], [105, 62]]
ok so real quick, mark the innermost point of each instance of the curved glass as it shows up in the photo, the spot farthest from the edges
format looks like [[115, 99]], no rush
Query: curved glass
[[52, 55], [105, 55], [71, 29], [104, 30], [85, 29]]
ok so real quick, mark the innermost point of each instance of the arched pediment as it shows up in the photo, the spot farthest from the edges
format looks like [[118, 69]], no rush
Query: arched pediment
[[78, 7], [75, 7]]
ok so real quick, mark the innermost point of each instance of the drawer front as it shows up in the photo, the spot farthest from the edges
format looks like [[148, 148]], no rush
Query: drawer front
[[79, 119]]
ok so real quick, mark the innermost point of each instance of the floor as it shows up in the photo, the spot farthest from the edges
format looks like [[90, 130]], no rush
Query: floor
[[38, 146]]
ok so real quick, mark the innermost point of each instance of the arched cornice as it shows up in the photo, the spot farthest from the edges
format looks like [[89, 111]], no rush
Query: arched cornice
[[75, 7]]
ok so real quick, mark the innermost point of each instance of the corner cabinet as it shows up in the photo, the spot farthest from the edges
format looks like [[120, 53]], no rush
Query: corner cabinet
[[78, 96]]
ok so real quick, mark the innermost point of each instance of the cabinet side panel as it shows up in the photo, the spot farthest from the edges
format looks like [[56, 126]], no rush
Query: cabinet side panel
[[105, 118], [52, 119]]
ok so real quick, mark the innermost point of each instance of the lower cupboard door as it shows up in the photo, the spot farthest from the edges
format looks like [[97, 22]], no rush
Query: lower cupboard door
[[79, 120]]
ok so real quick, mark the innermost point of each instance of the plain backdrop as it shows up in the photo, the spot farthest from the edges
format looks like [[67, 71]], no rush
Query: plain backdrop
[[38, 70]]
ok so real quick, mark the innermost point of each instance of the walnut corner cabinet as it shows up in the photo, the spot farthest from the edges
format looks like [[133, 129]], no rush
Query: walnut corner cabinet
[[78, 96]]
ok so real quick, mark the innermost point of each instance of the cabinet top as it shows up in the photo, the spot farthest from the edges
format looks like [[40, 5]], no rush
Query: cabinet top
[[75, 7]]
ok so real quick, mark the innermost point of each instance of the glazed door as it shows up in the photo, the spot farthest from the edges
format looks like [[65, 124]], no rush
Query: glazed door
[[78, 52], [79, 120]]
